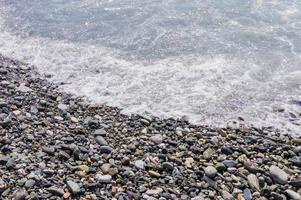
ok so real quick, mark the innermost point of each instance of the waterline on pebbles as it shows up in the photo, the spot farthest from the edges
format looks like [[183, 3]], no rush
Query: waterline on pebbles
[[56, 144]]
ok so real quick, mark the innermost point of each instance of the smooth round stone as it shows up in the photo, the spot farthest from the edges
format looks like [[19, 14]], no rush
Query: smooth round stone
[[278, 175], [106, 149], [154, 174], [140, 164], [157, 139], [101, 141], [104, 178], [30, 183], [293, 195], [253, 181], [220, 167], [210, 171], [247, 194]]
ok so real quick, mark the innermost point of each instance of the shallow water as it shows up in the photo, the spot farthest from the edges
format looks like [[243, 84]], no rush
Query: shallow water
[[212, 60]]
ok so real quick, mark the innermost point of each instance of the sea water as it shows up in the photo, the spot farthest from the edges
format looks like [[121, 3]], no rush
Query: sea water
[[212, 61]]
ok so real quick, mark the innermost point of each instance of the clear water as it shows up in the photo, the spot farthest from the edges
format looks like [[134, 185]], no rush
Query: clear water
[[210, 60]]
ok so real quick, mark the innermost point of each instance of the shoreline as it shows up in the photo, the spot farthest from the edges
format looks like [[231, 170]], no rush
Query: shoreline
[[57, 145]]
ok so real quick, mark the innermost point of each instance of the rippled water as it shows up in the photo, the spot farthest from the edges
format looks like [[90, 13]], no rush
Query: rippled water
[[211, 60]]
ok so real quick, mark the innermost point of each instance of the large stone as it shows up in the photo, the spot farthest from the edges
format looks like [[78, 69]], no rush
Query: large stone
[[104, 178], [210, 171], [73, 187], [99, 132], [106, 149], [278, 175], [101, 141], [157, 139], [293, 195], [253, 181], [140, 164]]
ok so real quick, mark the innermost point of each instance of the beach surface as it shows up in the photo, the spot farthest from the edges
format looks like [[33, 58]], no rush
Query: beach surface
[[55, 145]]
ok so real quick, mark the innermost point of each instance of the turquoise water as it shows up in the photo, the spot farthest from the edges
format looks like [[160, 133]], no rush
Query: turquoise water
[[211, 60]]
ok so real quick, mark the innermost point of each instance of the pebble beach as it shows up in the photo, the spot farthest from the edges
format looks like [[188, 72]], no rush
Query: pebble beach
[[56, 145]]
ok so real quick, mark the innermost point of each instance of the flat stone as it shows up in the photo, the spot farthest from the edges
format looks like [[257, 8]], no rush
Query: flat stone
[[157, 139], [140, 164], [104, 178], [106, 149], [99, 132], [278, 175], [156, 191], [74, 119], [230, 163], [154, 174], [251, 167], [293, 195], [253, 181], [49, 150], [56, 191], [210, 171], [23, 88], [73, 187]]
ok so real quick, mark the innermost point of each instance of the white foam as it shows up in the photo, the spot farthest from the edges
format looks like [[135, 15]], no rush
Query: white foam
[[212, 90]]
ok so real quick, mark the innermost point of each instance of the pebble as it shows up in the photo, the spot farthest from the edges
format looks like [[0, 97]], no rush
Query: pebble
[[154, 174], [278, 175], [157, 139], [29, 183], [154, 192], [104, 178], [210, 171], [56, 191], [73, 187], [101, 141], [100, 132], [293, 195], [253, 181], [106, 149], [140, 164], [247, 194]]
